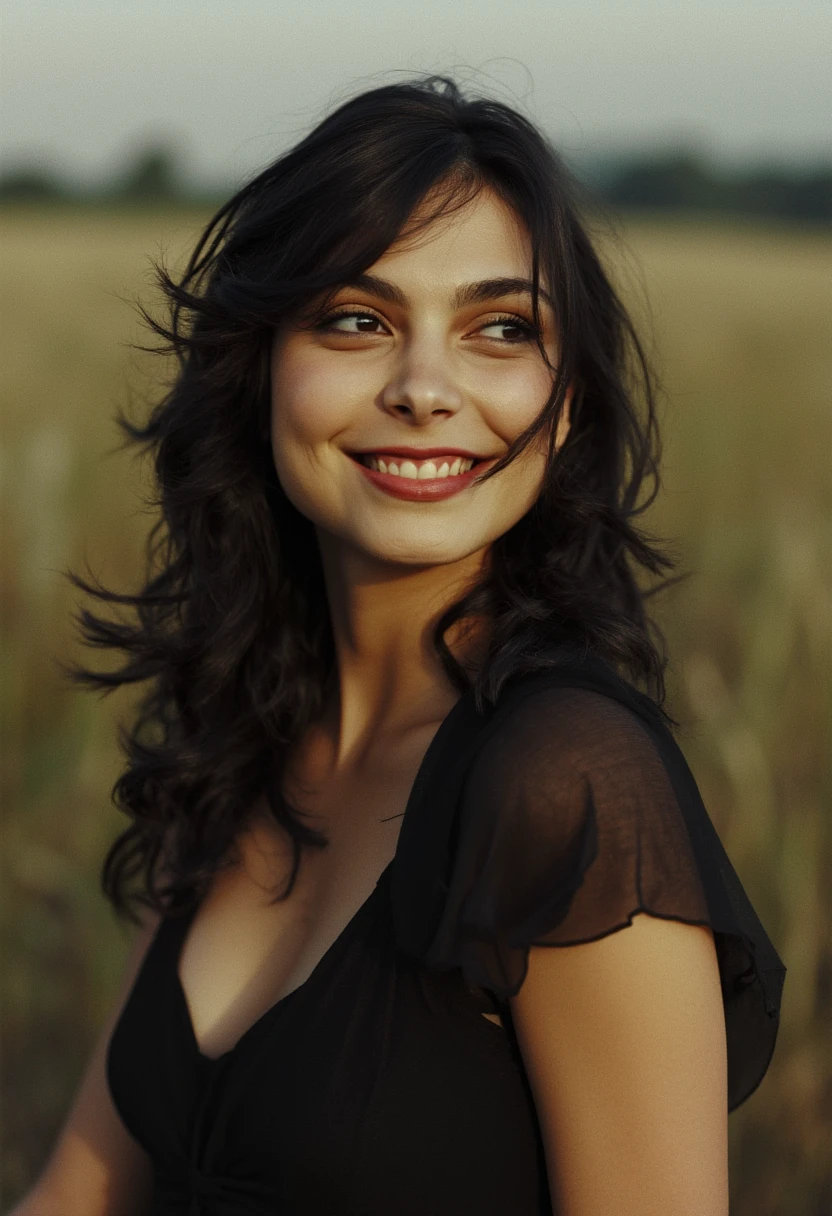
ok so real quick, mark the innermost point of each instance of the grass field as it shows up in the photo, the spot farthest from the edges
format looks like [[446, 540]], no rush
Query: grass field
[[739, 320]]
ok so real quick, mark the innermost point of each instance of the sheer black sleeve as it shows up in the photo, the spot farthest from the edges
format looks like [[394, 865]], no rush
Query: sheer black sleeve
[[576, 813]]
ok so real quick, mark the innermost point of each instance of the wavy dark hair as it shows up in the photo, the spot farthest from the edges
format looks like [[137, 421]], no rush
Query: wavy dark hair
[[232, 628]]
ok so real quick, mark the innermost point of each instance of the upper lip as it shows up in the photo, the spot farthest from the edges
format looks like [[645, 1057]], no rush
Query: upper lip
[[420, 453]]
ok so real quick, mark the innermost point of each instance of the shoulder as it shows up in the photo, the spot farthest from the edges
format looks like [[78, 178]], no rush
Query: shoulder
[[563, 745], [580, 702], [577, 817], [568, 824]]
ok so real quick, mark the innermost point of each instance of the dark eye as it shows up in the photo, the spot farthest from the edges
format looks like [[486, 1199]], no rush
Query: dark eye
[[510, 329], [352, 323]]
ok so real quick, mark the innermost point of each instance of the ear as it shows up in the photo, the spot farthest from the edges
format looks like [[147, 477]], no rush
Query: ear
[[565, 419]]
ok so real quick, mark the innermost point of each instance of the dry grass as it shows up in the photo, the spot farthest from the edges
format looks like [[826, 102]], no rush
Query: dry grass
[[740, 324]]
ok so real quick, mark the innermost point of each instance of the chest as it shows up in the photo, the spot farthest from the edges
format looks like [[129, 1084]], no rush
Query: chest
[[245, 950], [336, 1100]]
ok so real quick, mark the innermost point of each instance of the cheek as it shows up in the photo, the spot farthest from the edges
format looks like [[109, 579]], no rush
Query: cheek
[[310, 404], [512, 404], [524, 481], [512, 395]]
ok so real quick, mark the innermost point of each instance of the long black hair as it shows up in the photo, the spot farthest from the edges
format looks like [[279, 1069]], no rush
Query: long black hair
[[231, 630]]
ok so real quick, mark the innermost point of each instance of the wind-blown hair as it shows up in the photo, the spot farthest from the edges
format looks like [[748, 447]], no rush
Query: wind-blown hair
[[232, 631]]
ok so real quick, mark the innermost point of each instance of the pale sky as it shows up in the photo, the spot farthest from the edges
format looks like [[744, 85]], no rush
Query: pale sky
[[233, 82]]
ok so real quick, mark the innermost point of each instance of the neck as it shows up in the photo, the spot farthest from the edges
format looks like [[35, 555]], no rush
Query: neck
[[389, 675]]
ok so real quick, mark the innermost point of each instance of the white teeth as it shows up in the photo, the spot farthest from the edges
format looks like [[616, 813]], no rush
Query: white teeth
[[425, 471]]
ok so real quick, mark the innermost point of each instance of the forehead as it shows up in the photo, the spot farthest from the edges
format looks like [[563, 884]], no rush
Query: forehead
[[484, 239]]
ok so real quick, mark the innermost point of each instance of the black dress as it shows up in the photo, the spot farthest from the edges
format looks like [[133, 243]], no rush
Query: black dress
[[377, 1088]]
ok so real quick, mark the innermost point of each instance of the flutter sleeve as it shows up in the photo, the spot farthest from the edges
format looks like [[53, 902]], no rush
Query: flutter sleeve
[[577, 813]]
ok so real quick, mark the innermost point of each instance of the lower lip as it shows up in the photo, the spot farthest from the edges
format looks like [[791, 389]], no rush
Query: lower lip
[[430, 490]]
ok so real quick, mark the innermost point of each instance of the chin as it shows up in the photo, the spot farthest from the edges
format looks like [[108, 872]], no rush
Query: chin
[[443, 552]]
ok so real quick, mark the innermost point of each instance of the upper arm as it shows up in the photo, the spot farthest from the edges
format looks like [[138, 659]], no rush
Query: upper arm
[[96, 1167], [623, 1040]]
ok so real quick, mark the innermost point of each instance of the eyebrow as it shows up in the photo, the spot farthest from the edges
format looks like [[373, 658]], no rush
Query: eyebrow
[[469, 293]]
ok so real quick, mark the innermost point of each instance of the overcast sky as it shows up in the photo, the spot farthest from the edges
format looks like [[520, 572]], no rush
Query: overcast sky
[[84, 83]]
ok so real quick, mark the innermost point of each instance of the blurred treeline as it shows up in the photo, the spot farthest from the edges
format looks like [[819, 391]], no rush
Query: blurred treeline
[[673, 180], [737, 315]]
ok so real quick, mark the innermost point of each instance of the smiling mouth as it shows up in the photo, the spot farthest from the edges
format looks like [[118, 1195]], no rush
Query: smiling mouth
[[434, 468]]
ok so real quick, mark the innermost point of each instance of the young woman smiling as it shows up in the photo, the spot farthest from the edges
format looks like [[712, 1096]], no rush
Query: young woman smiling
[[433, 917]]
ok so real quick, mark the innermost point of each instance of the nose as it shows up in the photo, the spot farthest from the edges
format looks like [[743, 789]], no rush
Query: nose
[[421, 388]]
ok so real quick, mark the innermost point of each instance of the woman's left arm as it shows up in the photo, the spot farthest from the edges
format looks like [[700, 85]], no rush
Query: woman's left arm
[[624, 1045]]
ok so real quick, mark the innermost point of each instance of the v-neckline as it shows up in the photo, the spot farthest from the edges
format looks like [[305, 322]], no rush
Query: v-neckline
[[273, 1009]]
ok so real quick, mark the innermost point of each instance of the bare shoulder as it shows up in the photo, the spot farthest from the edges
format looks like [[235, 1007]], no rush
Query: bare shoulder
[[96, 1167], [623, 1039]]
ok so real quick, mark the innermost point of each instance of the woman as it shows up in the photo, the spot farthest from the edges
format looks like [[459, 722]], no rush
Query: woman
[[394, 750]]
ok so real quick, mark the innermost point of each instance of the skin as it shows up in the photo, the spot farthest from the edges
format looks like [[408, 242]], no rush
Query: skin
[[623, 1039]]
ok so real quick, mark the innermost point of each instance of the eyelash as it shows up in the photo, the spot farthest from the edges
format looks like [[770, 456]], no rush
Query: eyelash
[[528, 331]]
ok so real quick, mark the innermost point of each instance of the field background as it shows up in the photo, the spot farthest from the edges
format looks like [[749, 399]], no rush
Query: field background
[[739, 317]]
